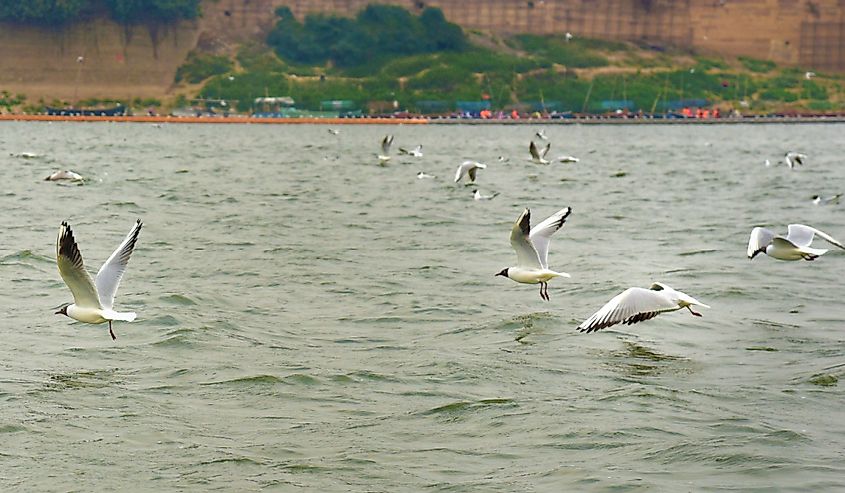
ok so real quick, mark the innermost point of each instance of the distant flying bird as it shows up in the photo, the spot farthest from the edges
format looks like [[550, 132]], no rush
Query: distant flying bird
[[568, 36], [833, 199], [422, 175], [809, 75], [794, 246], [469, 168], [532, 250], [541, 134], [477, 195], [538, 157], [767, 163], [567, 159], [386, 142], [416, 151], [334, 131], [794, 158], [93, 299], [64, 175], [502, 159], [637, 304]]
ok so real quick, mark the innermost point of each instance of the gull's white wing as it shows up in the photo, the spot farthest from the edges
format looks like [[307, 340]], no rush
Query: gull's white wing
[[532, 148], [546, 150], [802, 235], [759, 240], [541, 234], [474, 169], [526, 254], [386, 143], [462, 169], [630, 306], [110, 274], [73, 271]]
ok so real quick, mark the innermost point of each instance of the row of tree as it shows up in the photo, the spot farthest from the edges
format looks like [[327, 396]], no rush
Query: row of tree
[[377, 31], [58, 12]]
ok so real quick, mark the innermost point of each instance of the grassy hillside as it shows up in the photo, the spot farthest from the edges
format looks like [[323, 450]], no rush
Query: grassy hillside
[[524, 71]]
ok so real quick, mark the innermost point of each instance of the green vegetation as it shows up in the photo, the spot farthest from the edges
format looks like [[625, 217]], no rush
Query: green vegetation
[[199, 67], [386, 54], [383, 29], [57, 12], [8, 101]]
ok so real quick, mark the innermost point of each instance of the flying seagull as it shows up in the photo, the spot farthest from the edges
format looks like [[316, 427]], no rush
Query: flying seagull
[[794, 158], [637, 304], [422, 175], [386, 142], [538, 157], [93, 299], [416, 151], [541, 134], [334, 131], [532, 250], [833, 199], [567, 159], [468, 168], [65, 174], [795, 246], [477, 195]]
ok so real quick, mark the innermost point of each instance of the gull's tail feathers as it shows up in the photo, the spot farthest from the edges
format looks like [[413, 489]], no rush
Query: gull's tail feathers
[[122, 316]]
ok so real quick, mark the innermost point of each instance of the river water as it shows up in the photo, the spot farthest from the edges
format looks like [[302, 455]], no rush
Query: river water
[[311, 321]]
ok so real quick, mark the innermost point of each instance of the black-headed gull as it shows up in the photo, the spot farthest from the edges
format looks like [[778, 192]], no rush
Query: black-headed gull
[[64, 174], [532, 250], [541, 134], [469, 168], [833, 199], [415, 152], [637, 304], [93, 299], [539, 157], [794, 158], [794, 246], [477, 195], [386, 142], [422, 175], [334, 131]]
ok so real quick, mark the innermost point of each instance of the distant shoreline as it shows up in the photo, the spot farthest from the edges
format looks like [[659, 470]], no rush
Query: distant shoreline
[[423, 121]]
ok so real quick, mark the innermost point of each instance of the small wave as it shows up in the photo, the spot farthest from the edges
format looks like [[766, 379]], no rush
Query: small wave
[[251, 380], [461, 408], [22, 255], [177, 299]]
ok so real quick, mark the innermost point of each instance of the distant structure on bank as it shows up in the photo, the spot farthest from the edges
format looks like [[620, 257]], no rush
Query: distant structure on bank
[[140, 61]]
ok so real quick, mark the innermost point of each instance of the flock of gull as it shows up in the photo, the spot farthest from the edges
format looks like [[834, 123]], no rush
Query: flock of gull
[[635, 304], [94, 298]]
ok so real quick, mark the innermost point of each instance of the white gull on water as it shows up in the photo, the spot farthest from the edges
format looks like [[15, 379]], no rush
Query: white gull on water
[[794, 246], [637, 304], [532, 250], [93, 299]]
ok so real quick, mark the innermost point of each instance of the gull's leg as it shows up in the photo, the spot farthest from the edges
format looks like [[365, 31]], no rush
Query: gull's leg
[[111, 332], [541, 291], [694, 313]]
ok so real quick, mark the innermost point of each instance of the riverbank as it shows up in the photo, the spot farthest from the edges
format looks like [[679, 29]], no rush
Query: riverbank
[[593, 120]]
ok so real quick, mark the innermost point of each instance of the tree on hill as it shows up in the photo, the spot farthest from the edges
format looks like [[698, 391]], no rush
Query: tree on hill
[[58, 12], [377, 31]]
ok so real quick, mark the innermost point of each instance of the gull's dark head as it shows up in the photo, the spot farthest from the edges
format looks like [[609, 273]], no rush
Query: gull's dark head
[[63, 310], [504, 272]]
